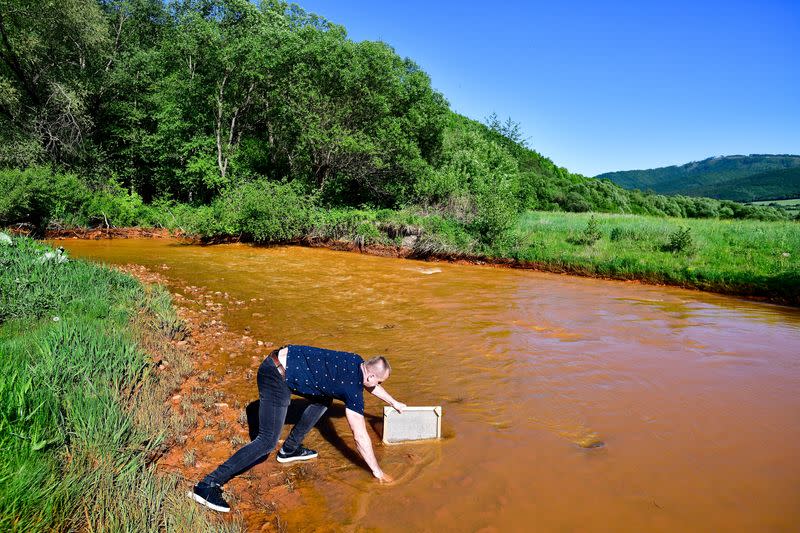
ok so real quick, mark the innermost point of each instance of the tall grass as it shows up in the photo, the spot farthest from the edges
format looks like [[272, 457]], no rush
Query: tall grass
[[737, 256], [82, 412]]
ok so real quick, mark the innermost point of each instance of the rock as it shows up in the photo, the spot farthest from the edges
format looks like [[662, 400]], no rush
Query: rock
[[176, 398], [409, 242]]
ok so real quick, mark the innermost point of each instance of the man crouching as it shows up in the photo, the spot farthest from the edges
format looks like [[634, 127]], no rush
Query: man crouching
[[321, 376]]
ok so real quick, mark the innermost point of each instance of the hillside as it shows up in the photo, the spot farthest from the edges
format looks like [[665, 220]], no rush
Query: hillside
[[736, 177], [770, 185]]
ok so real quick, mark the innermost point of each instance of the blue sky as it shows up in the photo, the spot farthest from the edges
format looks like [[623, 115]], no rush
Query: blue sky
[[600, 86]]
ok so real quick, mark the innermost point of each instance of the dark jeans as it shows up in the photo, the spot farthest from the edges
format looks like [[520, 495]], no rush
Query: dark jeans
[[273, 399]]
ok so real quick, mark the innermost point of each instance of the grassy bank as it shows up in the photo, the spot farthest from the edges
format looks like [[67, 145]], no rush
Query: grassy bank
[[742, 257], [82, 404]]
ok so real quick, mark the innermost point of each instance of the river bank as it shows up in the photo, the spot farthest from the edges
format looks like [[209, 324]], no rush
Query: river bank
[[753, 259], [689, 391], [213, 402], [90, 359]]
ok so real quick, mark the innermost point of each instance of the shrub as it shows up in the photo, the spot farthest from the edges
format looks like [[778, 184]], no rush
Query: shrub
[[496, 212], [36, 195], [271, 212], [590, 234], [680, 241], [114, 207], [339, 223], [624, 234]]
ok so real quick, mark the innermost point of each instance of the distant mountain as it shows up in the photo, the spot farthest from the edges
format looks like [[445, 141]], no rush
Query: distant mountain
[[734, 177]]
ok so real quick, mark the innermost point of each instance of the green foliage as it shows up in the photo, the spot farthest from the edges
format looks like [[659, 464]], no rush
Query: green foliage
[[114, 207], [272, 212], [738, 256], [259, 211], [680, 241], [590, 234], [190, 100], [36, 195]]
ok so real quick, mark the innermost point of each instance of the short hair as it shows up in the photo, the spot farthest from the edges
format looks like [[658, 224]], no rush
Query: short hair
[[379, 365]]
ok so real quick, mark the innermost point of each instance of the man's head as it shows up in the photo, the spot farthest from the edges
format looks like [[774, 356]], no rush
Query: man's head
[[376, 371]]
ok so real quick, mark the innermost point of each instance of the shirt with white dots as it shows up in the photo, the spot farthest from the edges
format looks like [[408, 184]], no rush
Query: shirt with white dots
[[317, 372]]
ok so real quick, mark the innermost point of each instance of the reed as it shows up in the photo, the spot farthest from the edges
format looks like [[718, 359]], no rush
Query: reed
[[82, 404]]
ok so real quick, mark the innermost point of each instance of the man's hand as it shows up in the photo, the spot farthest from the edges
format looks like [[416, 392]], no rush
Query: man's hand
[[399, 406]]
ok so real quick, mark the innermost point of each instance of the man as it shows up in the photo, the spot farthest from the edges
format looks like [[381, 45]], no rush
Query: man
[[321, 376]]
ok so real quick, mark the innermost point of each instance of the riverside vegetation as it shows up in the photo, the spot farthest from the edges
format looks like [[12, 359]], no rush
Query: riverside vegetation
[[260, 121], [82, 404]]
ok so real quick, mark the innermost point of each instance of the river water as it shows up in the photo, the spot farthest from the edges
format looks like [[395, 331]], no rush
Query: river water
[[569, 404]]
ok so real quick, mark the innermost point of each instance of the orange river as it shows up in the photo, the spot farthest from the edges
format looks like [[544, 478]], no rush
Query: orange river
[[569, 404]]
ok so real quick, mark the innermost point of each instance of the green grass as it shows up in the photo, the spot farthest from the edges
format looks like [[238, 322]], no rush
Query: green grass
[[732, 256], [81, 404], [791, 206], [791, 201]]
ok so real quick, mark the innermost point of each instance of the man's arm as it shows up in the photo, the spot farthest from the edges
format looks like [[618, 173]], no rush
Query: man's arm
[[381, 393], [364, 444]]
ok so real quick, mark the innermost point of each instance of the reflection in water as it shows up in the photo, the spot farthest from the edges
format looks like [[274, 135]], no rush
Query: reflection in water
[[569, 403]]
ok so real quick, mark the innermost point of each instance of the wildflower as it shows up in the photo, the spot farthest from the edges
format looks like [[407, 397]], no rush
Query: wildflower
[[57, 256], [786, 254], [56, 318]]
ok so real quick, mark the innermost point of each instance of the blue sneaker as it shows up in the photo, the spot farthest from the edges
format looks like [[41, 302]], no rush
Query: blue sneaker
[[300, 454]]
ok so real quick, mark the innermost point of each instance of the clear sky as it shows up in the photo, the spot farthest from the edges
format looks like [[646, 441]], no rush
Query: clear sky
[[598, 85]]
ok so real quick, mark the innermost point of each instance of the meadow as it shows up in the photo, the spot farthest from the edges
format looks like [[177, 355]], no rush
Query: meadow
[[82, 403], [745, 257], [791, 206]]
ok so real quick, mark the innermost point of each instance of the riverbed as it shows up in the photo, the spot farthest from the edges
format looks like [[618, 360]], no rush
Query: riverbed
[[569, 404]]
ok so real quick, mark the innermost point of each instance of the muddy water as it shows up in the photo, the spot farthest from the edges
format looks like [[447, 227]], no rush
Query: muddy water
[[570, 404]]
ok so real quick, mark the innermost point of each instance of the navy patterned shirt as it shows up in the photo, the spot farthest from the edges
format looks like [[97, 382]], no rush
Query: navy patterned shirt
[[319, 372]]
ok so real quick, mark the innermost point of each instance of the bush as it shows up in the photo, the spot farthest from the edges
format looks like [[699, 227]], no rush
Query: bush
[[496, 212], [338, 224], [114, 207], [625, 234], [680, 241], [590, 234], [273, 212], [36, 195]]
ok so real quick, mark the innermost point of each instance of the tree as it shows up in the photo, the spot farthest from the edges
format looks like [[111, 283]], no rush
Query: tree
[[52, 55]]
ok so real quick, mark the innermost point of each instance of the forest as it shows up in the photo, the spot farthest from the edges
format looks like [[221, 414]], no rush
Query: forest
[[135, 112]]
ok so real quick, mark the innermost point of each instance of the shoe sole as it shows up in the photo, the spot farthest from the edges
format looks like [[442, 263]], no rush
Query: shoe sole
[[203, 501], [298, 458]]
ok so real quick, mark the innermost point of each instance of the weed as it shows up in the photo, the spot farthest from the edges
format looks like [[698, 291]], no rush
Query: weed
[[190, 457], [237, 442]]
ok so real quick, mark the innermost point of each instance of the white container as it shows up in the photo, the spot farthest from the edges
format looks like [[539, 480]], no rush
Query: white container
[[414, 423]]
